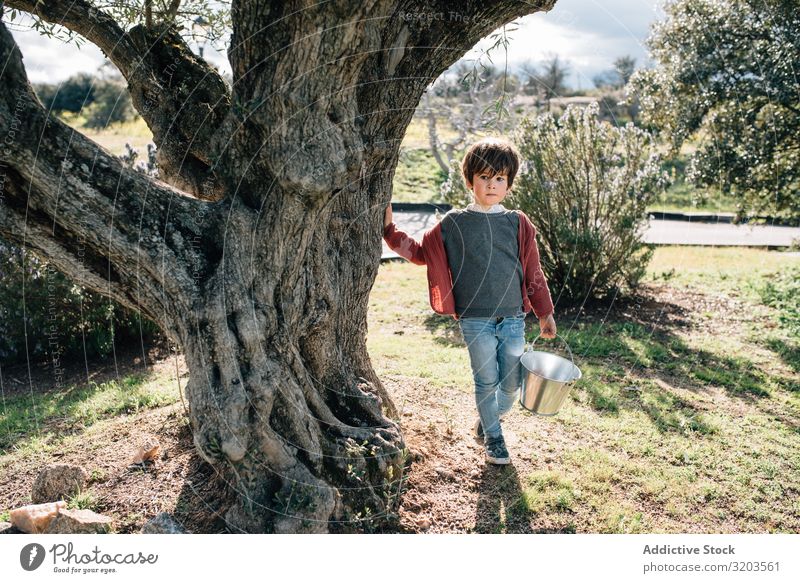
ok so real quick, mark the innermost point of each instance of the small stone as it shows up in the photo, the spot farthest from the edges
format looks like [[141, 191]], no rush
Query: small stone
[[58, 482], [445, 473], [147, 451], [35, 518], [8, 528], [162, 524], [82, 521], [424, 524]]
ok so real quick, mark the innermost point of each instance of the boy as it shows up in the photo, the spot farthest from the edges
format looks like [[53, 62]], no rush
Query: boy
[[484, 270]]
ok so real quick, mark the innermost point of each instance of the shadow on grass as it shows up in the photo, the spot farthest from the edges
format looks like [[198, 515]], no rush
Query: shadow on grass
[[637, 338], [789, 353], [660, 358], [205, 496], [445, 330], [506, 505], [37, 410], [501, 506], [69, 411]]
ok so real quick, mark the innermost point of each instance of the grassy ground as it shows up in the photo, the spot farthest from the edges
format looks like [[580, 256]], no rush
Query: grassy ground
[[136, 133], [418, 177], [39, 421], [686, 419]]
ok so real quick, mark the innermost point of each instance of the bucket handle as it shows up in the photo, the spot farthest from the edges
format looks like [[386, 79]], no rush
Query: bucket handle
[[562, 340]]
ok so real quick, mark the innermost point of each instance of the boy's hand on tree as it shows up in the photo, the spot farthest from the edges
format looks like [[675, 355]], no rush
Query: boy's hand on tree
[[547, 326], [387, 217]]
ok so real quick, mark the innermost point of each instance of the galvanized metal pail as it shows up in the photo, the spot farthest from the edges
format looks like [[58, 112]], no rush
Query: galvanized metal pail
[[548, 379]]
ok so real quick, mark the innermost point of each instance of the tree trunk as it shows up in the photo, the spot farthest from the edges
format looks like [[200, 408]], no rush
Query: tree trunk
[[266, 286], [282, 393]]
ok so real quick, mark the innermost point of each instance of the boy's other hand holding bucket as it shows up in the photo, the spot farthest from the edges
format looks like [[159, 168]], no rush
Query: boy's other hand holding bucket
[[547, 326]]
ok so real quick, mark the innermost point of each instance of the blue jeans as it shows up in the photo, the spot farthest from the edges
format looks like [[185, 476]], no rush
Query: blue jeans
[[494, 352]]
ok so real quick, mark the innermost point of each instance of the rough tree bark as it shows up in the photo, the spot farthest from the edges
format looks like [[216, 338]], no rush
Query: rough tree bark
[[259, 256]]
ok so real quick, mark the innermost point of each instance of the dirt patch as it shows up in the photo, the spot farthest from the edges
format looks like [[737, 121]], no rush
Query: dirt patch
[[179, 482]]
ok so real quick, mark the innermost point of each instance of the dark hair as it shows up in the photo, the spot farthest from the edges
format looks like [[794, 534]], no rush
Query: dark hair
[[496, 155]]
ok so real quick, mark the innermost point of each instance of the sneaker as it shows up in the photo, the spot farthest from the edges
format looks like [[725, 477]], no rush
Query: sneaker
[[496, 452], [477, 429]]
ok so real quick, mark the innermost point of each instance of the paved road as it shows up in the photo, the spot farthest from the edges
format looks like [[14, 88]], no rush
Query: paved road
[[658, 232]]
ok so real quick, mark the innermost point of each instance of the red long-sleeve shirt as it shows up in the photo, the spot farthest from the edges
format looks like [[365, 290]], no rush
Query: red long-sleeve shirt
[[431, 252]]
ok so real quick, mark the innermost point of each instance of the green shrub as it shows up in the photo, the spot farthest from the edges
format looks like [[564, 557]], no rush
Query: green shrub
[[43, 314], [585, 186], [782, 292], [111, 104], [71, 95]]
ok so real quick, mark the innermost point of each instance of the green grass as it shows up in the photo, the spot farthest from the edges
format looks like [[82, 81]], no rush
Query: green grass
[[418, 177], [782, 291], [36, 421], [736, 271], [670, 429], [684, 197], [135, 132], [83, 501]]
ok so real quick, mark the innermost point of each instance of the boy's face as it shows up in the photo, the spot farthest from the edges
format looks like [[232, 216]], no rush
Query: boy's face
[[489, 189]]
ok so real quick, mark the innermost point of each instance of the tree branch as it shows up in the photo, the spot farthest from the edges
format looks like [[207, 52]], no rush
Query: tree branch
[[109, 228], [172, 11], [181, 97], [313, 85]]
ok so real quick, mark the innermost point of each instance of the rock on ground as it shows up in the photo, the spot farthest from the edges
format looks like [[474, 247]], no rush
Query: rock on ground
[[35, 518], [58, 482], [79, 522]]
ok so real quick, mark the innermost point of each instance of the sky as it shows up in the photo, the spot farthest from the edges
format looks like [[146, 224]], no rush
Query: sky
[[587, 34]]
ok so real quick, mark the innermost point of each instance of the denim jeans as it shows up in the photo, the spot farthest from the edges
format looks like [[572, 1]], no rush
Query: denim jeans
[[494, 351]]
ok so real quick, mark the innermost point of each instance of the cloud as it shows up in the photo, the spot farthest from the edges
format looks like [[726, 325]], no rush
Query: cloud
[[587, 34], [51, 61]]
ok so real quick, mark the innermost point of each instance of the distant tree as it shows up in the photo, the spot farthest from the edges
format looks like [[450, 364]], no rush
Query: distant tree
[[613, 107], [625, 66], [529, 74], [619, 75], [111, 104], [547, 79], [71, 95], [727, 75]]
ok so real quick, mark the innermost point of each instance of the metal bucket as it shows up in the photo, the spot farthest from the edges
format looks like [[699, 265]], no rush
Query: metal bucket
[[548, 379]]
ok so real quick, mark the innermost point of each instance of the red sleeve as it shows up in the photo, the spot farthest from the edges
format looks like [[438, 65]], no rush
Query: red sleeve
[[403, 244], [535, 282]]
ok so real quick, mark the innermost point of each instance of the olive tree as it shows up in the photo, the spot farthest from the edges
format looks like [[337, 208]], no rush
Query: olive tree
[[258, 245], [727, 75]]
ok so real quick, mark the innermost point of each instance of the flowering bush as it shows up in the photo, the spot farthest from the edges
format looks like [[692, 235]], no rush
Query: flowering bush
[[585, 185]]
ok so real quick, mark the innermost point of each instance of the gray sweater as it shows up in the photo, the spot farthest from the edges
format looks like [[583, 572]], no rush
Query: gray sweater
[[483, 254]]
